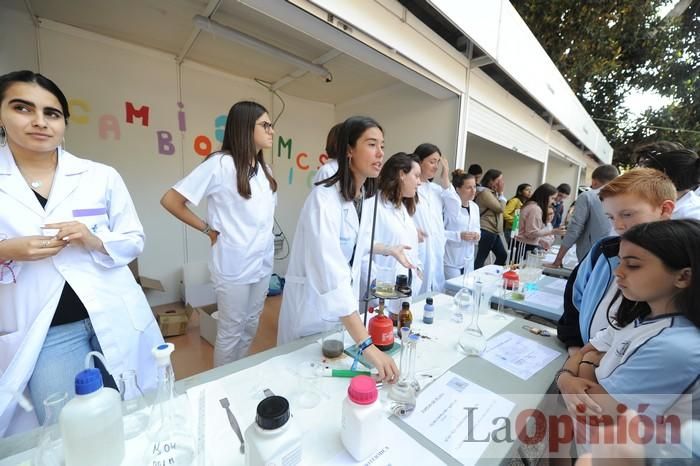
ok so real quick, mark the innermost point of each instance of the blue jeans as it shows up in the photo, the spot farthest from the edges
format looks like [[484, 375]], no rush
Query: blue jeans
[[61, 358]]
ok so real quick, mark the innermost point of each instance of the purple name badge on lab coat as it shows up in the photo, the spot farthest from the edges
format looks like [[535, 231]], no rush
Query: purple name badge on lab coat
[[89, 212]]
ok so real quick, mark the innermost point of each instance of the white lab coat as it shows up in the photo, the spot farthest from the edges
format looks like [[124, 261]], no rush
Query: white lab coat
[[118, 310], [320, 283], [457, 219], [394, 226], [244, 251], [428, 218], [687, 207], [327, 170]]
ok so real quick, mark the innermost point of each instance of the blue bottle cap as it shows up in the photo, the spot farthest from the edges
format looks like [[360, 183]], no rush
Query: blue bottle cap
[[88, 381]]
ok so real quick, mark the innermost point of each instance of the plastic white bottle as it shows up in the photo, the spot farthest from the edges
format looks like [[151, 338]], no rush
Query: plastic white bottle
[[91, 423], [273, 439], [362, 415]]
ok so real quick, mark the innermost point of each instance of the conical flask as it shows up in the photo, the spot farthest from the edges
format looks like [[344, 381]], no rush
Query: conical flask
[[170, 433], [472, 342]]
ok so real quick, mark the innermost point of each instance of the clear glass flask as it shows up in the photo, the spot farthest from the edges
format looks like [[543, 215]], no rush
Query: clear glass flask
[[403, 392], [472, 342], [49, 450], [171, 437], [133, 404]]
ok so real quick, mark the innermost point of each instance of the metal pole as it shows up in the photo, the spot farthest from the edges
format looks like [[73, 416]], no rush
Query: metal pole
[[371, 256]]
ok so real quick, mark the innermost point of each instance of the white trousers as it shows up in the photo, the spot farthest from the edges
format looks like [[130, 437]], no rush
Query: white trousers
[[239, 309]]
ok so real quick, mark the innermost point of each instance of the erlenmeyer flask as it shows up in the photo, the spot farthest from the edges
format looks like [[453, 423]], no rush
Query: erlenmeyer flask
[[49, 451], [133, 404], [170, 433], [472, 342]]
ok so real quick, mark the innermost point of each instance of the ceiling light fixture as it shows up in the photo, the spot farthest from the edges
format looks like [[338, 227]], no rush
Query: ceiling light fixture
[[206, 24]]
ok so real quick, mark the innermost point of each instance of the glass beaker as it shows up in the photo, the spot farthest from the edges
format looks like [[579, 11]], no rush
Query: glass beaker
[[462, 303], [333, 339], [385, 277], [133, 404], [472, 341], [170, 430], [49, 450]]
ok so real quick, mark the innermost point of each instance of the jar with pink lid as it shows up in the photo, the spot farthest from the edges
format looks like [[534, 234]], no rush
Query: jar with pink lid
[[362, 418]]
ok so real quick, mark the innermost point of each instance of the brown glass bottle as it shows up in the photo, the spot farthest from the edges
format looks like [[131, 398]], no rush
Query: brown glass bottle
[[405, 316]]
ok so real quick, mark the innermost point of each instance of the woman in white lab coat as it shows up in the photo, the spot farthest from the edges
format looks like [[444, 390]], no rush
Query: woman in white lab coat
[[329, 168], [332, 237], [462, 226], [428, 218], [68, 229], [241, 199], [398, 195]]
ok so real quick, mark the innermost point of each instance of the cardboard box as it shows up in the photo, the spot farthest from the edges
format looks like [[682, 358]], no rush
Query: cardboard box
[[196, 288], [145, 282], [207, 323], [173, 322]]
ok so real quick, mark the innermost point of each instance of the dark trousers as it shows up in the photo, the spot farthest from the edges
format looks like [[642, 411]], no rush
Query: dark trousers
[[490, 242]]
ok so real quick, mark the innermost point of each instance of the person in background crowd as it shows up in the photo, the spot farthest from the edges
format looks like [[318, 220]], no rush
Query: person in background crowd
[[491, 204], [428, 218], [522, 194], [547, 241], [68, 230], [589, 223], [563, 192], [329, 168], [683, 167], [476, 171], [241, 198], [533, 218], [462, 225]]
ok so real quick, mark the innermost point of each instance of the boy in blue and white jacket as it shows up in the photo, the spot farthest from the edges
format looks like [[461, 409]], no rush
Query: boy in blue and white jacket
[[591, 298]]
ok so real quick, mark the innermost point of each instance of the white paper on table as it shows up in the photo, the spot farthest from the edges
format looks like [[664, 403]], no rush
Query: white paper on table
[[518, 355], [544, 299], [397, 448], [454, 413], [437, 353], [557, 285]]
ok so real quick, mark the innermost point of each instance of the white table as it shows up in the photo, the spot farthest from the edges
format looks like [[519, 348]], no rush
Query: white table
[[477, 370], [547, 302]]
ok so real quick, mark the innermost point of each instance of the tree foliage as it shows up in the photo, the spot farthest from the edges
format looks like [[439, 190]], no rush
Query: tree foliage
[[607, 48]]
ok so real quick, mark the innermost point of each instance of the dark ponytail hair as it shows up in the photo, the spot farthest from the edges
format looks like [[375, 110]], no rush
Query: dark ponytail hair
[[676, 244], [541, 198], [390, 180], [350, 131], [681, 165], [459, 176], [240, 145]]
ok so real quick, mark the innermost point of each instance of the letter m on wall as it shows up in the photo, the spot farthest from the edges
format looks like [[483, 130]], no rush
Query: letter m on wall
[[141, 113], [281, 143]]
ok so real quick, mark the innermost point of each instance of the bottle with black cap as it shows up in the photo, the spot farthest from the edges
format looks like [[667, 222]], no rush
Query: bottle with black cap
[[273, 439]]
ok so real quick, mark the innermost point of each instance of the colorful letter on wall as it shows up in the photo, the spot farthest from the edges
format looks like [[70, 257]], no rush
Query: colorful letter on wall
[[219, 125], [287, 144], [302, 155], [107, 124], [81, 104], [202, 145], [165, 143], [142, 113]]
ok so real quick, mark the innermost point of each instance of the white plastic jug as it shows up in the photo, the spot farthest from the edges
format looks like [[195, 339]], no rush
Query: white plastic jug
[[91, 423], [273, 439]]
